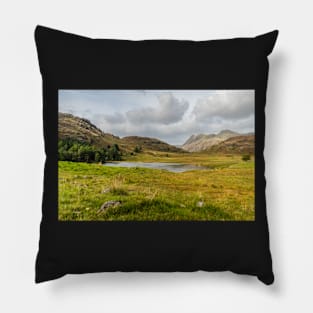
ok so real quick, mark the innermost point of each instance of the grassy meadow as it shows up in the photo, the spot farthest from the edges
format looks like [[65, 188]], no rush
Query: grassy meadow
[[222, 192]]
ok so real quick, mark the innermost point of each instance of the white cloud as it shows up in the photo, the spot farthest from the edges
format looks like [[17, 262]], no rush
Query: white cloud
[[225, 105], [170, 110], [115, 118]]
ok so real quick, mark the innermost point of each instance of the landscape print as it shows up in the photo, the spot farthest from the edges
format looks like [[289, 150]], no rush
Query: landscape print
[[156, 155]]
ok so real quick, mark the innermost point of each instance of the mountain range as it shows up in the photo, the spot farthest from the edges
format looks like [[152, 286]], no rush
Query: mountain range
[[226, 141]]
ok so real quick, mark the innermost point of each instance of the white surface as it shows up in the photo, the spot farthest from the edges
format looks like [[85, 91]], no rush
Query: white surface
[[289, 150]]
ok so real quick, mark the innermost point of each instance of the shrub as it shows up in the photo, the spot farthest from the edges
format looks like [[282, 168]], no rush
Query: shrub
[[138, 149], [246, 157]]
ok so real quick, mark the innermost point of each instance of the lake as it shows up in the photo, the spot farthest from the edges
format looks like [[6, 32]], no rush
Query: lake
[[171, 167]]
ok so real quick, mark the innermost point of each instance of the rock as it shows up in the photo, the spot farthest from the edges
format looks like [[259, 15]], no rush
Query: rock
[[108, 204], [200, 204]]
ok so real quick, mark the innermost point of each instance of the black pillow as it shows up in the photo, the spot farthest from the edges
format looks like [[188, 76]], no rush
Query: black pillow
[[154, 155]]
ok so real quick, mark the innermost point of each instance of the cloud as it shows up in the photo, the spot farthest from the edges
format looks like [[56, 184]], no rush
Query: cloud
[[225, 105], [116, 118], [174, 133], [170, 110]]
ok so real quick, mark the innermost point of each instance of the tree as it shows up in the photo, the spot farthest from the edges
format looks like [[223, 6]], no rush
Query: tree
[[115, 153], [77, 151], [98, 157]]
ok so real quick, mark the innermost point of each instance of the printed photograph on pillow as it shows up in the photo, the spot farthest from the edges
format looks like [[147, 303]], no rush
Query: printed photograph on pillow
[[156, 155]]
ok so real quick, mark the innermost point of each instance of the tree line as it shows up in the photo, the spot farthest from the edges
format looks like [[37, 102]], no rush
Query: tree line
[[76, 151]]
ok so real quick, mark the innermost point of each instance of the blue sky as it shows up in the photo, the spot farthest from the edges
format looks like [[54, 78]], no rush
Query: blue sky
[[170, 115]]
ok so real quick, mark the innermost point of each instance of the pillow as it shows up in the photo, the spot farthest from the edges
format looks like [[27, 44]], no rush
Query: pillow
[[154, 155]]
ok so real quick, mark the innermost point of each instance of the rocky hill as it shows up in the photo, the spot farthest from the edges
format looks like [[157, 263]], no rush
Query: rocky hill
[[203, 142], [72, 127], [76, 128], [148, 143], [238, 144]]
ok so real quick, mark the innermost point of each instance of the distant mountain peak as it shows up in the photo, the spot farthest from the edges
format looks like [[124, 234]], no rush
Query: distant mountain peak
[[243, 144], [227, 131], [201, 142]]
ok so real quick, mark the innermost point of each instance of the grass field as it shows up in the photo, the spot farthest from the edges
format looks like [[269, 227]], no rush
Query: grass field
[[224, 191]]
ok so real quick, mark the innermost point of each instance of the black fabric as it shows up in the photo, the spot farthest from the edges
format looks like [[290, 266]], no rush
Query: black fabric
[[73, 62]]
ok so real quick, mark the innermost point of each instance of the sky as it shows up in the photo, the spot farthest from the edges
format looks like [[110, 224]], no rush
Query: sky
[[170, 115]]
